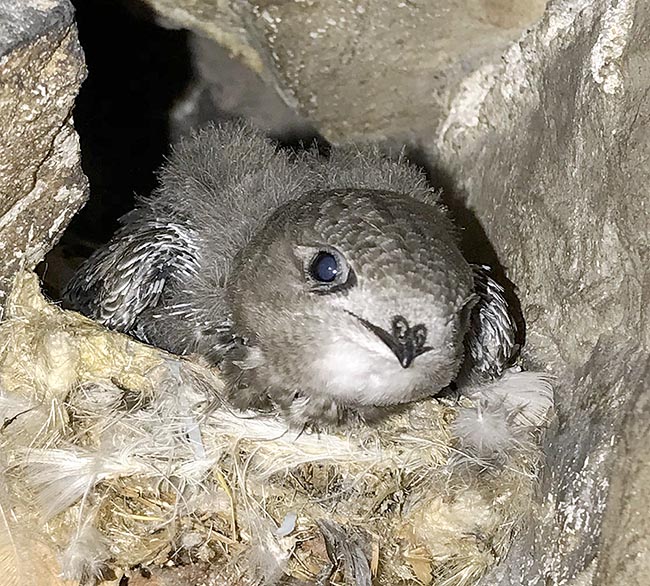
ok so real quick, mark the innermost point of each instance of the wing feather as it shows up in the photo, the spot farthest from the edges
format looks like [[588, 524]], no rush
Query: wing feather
[[490, 344], [120, 282]]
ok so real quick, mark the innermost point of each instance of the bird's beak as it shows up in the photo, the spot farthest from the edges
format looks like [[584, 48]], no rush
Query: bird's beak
[[405, 342], [405, 355]]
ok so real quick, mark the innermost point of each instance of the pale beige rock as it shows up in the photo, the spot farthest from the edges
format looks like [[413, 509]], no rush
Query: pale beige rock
[[41, 181], [626, 535], [362, 69], [553, 162]]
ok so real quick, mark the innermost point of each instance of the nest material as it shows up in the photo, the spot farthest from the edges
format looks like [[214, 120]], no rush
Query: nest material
[[117, 455]]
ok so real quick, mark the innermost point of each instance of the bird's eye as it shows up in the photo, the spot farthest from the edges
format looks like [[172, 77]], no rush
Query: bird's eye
[[326, 270], [324, 267]]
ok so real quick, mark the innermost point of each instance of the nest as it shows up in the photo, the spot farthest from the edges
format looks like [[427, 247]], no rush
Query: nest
[[116, 455]]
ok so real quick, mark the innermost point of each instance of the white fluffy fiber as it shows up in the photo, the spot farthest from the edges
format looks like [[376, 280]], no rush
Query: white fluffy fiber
[[84, 559], [504, 414]]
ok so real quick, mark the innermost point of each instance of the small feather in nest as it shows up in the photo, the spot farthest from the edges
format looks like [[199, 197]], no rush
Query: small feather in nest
[[504, 413], [24, 557], [85, 558], [62, 477], [268, 555]]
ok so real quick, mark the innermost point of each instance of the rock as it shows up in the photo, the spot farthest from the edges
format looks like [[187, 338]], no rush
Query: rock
[[41, 181], [364, 69], [224, 87], [549, 150], [626, 539], [537, 120]]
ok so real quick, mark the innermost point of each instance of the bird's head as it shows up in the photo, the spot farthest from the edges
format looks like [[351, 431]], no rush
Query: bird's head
[[358, 295]]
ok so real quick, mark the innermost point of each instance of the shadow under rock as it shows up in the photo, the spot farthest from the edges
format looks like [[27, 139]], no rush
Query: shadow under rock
[[473, 240], [136, 71]]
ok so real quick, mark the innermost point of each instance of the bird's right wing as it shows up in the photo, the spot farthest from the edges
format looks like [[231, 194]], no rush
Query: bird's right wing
[[127, 277]]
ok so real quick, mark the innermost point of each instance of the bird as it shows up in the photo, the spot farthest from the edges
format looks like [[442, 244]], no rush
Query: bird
[[328, 289]]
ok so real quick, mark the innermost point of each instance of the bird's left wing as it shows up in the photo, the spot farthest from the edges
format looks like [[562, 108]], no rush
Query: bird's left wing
[[126, 278], [490, 344]]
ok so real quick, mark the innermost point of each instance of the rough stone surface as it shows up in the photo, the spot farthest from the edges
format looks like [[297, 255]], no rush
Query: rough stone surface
[[545, 140], [626, 539], [41, 182], [553, 162], [224, 87], [360, 69]]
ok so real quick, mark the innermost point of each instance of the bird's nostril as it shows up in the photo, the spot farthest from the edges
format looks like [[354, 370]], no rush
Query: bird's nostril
[[400, 328], [403, 333], [419, 334]]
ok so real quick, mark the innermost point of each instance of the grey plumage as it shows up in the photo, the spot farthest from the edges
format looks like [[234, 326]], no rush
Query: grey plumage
[[219, 261], [491, 344]]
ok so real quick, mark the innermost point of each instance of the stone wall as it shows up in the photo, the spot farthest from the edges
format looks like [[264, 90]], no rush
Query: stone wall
[[41, 182]]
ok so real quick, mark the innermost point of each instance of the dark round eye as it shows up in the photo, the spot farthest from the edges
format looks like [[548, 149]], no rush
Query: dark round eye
[[324, 267]]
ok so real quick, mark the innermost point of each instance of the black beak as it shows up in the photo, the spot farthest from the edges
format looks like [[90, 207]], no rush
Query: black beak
[[404, 355], [407, 343]]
